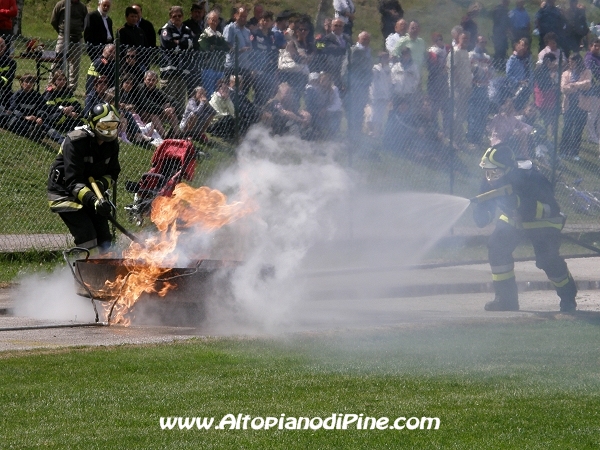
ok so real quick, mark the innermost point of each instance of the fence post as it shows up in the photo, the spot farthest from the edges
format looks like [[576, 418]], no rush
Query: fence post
[[236, 103], [66, 40], [557, 104], [352, 134], [117, 70], [451, 129]]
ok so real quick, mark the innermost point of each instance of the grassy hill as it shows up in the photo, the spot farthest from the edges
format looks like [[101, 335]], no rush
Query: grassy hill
[[434, 15], [23, 164]]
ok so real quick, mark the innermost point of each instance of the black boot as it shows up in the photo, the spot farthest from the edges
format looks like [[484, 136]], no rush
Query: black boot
[[567, 295], [507, 298]]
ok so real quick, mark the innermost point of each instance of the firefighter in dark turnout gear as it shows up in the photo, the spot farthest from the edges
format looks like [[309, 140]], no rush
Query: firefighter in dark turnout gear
[[89, 151], [528, 209]]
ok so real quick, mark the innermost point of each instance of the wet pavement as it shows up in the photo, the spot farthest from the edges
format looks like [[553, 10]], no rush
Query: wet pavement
[[335, 300]]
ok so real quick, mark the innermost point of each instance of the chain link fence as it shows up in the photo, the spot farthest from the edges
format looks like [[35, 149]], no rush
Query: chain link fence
[[406, 123]]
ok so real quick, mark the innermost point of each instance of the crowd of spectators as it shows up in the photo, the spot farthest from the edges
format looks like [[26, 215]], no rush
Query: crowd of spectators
[[200, 75]]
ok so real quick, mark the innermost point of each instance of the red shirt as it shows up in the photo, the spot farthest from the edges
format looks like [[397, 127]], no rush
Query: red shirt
[[8, 10]]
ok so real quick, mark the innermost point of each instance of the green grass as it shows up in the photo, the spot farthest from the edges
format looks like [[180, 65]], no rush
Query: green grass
[[527, 385], [13, 265], [24, 164]]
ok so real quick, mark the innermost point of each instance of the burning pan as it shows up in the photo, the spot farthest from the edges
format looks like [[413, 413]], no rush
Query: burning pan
[[190, 284]]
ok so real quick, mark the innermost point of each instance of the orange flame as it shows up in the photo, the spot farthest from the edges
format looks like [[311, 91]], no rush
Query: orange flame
[[202, 208]]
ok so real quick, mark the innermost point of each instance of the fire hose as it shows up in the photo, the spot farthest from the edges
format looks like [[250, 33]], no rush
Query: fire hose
[[119, 227]]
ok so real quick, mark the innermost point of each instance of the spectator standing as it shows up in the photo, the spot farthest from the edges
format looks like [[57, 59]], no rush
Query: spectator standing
[[545, 89], [130, 35], [178, 58], [238, 36], [196, 21], [519, 74], [469, 25], [478, 102], [550, 18], [334, 48], [551, 42], [454, 34], [8, 11], [405, 76], [576, 29], [520, 23], [461, 77], [265, 54], [415, 43], [437, 80], [281, 25], [400, 29], [148, 56], [146, 26], [78, 15], [196, 24], [327, 28], [98, 29], [8, 69], [576, 80], [256, 16], [500, 33], [592, 62], [344, 10], [379, 94], [213, 48], [505, 127], [360, 74], [391, 11]]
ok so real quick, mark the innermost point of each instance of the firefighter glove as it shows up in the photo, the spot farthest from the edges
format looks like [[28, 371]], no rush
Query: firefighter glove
[[103, 207]]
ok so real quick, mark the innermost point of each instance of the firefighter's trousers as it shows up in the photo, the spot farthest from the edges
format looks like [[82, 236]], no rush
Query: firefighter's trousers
[[546, 244]]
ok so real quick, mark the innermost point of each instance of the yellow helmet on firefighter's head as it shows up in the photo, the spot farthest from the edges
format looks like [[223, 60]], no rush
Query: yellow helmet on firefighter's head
[[497, 161], [104, 119]]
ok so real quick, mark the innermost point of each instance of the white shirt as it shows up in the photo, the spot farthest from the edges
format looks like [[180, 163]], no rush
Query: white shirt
[[104, 16], [343, 6], [391, 41]]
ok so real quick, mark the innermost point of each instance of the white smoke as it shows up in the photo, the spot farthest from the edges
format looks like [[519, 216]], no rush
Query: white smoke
[[296, 186], [51, 296]]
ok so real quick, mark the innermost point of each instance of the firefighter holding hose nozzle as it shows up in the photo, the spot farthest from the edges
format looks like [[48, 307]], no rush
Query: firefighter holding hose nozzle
[[528, 209], [88, 152]]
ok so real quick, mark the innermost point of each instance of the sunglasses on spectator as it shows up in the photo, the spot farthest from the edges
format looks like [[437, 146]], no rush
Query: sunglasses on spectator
[[175, 16]]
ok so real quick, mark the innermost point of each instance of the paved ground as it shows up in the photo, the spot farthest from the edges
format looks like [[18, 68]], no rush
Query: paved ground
[[335, 300]]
